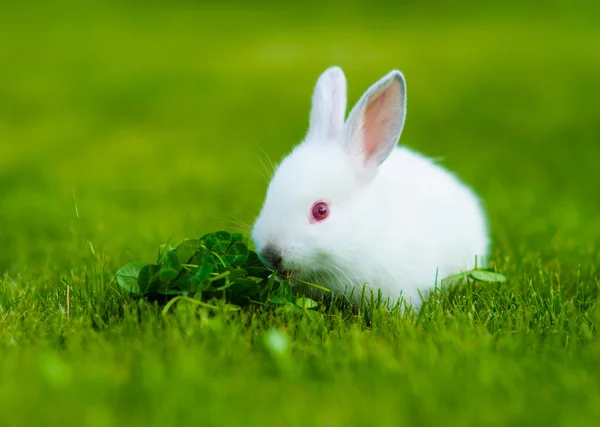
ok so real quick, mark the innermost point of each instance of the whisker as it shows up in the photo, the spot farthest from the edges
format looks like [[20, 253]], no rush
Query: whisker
[[237, 221], [261, 174], [268, 159]]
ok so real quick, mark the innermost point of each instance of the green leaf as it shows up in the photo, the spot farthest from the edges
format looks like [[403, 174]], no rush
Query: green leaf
[[203, 273], [306, 303], [253, 260], [237, 254], [127, 276], [203, 256], [218, 261], [487, 276], [289, 308], [237, 272], [276, 300], [313, 315], [284, 291], [148, 278], [259, 272], [199, 257], [243, 286], [185, 282], [171, 260], [271, 282], [456, 278], [196, 280], [167, 274], [218, 242], [186, 250], [162, 250]]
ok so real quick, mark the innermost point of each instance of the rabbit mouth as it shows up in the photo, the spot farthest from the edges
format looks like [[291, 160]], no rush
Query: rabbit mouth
[[284, 269]]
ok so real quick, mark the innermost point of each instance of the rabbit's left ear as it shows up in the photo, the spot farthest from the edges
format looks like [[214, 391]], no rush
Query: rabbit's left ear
[[328, 105], [375, 123]]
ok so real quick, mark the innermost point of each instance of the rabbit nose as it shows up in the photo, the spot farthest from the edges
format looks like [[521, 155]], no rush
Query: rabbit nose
[[271, 257]]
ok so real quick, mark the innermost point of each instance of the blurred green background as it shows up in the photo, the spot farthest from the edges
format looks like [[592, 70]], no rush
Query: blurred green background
[[124, 124], [154, 114]]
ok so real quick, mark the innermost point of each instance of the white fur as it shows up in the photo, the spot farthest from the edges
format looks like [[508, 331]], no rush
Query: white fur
[[329, 105], [397, 220]]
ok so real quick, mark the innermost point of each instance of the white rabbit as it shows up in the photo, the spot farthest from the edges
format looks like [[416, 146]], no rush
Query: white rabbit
[[348, 208]]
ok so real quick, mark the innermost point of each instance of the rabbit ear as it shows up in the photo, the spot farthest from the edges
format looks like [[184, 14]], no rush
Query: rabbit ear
[[328, 104], [375, 123]]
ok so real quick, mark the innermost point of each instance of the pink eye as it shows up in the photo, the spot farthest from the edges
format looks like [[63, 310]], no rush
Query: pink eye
[[320, 211]]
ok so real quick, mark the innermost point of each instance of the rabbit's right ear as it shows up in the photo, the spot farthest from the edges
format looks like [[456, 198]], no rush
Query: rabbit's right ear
[[328, 105], [374, 125]]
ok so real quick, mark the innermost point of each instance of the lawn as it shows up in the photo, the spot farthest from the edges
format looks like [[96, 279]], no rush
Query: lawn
[[126, 124]]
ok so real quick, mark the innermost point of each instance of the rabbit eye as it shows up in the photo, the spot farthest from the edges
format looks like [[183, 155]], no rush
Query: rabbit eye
[[320, 211]]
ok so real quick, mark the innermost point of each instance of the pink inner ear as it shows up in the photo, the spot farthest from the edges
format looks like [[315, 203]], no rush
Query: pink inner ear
[[378, 115]]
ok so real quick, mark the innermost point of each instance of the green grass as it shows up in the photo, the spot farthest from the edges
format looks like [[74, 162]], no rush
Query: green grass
[[122, 127]]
